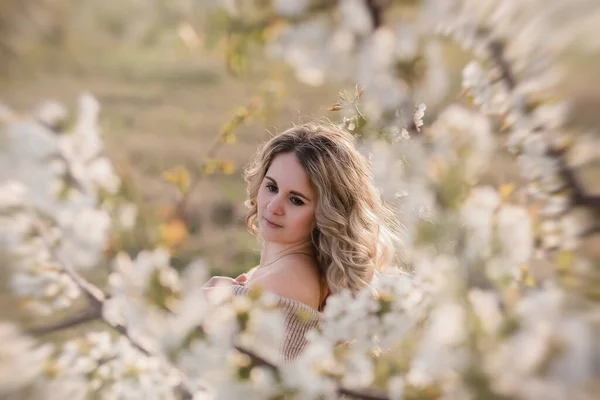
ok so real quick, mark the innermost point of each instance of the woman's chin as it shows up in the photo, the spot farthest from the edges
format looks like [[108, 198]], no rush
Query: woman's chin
[[268, 235]]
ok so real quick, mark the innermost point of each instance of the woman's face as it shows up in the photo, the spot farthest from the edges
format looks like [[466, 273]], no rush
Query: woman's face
[[286, 202]]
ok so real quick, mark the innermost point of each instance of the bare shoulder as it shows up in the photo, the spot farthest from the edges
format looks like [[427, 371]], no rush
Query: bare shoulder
[[297, 279]]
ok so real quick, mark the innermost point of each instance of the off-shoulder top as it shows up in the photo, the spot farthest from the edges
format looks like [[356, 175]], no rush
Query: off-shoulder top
[[299, 319]]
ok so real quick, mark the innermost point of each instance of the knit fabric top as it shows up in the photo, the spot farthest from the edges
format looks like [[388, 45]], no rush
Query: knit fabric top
[[298, 320]]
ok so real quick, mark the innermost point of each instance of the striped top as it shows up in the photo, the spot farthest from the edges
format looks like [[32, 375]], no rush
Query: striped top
[[299, 319]]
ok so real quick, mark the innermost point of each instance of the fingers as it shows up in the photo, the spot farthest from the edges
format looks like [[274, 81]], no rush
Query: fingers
[[220, 281], [243, 278]]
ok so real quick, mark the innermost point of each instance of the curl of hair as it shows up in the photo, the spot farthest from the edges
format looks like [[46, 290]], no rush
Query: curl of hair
[[354, 233]]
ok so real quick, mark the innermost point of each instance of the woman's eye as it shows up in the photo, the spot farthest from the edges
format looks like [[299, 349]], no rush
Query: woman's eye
[[296, 201], [271, 188]]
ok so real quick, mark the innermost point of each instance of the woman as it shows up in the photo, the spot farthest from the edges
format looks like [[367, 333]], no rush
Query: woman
[[323, 226]]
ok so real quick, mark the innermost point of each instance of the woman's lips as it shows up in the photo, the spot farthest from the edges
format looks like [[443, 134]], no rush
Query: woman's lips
[[272, 224]]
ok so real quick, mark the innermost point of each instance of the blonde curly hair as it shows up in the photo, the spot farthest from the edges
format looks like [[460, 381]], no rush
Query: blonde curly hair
[[354, 232]]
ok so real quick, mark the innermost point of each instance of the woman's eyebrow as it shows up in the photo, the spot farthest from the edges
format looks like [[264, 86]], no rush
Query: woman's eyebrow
[[291, 191]]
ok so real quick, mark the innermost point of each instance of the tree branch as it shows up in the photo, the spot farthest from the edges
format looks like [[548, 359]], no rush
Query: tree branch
[[578, 194], [94, 295], [364, 395], [376, 8], [122, 329], [96, 300], [594, 230], [341, 391], [256, 358], [496, 49], [89, 314]]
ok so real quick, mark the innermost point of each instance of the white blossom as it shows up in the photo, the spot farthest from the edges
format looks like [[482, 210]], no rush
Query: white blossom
[[477, 215], [396, 388], [514, 233], [463, 307], [12, 194], [22, 361], [462, 138], [486, 306], [115, 366], [290, 8], [356, 16], [304, 374], [127, 215], [264, 333], [419, 114]]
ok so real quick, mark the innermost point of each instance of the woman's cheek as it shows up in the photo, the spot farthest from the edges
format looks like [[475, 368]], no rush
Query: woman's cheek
[[308, 221], [260, 199]]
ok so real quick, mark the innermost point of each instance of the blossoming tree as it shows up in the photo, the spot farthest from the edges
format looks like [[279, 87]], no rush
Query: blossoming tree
[[502, 296]]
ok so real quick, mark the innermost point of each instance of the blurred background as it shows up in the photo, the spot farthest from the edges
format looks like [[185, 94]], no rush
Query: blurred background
[[185, 107], [167, 91]]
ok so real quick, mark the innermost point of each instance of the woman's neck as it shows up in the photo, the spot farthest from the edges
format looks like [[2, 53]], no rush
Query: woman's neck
[[270, 251]]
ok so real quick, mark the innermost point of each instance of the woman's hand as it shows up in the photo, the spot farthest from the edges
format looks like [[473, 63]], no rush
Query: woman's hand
[[224, 281], [220, 281], [241, 279], [211, 288]]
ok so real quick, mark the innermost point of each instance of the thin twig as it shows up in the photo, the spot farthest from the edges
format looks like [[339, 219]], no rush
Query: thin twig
[[212, 150], [217, 143]]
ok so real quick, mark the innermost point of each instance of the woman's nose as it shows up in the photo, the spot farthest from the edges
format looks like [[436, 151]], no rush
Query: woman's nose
[[275, 206]]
